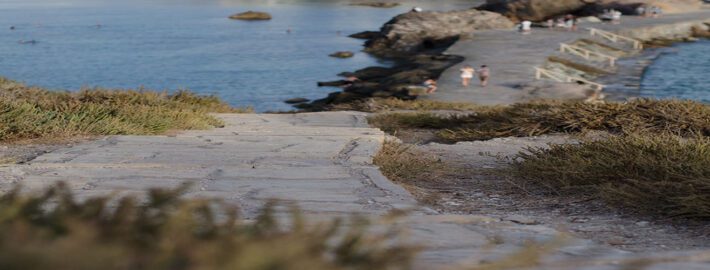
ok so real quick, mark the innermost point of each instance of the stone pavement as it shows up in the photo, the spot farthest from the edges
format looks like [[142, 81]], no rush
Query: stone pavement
[[320, 161], [512, 56]]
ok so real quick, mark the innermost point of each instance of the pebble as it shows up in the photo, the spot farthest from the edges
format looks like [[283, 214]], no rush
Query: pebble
[[522, 220], [579, 220]]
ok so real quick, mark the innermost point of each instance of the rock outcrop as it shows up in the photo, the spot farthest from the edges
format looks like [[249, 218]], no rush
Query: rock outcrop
[[534, 10], [376, 4], [251, 16], [342, 54], [415, 32], [539, 10]]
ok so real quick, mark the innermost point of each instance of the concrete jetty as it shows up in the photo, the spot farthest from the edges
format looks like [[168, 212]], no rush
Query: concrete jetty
[[512, 56], [322, 162]]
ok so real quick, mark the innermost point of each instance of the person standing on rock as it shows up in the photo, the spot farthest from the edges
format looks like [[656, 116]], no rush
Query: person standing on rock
[[466, 75], [483, 74]]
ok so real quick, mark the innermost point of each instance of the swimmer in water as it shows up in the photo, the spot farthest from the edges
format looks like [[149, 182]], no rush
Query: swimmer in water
[[12, 27]]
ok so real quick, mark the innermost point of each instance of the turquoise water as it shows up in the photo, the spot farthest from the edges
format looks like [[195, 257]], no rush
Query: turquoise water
[[682, 71], [188, 44]]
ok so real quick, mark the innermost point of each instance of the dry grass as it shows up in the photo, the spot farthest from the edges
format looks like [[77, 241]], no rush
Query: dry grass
[[53, 231], [30, 113], [684, 118], [655, 174], [401, 163], [392, 104]]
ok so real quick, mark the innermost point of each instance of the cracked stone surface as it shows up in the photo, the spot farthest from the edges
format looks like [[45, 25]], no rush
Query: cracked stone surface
[[320, 161]]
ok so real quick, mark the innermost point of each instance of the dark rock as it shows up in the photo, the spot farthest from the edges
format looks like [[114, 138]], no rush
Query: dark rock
[[337, 83], [251, 16], [366, 35], [540, 10], [701, 32], [533, 10], [416, 76], [376, 4], [345, 97], [382, 94], [296, 100], [342, 54], [364, 88], [415, 32], [372, 73]]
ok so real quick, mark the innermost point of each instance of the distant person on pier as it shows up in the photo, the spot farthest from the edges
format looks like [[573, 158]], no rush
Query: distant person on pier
[[560, 22], [570, 22], [483, 74], [466, 75], [641, 11], [430, 85], [615, 16], [525, 27], [656, 11]]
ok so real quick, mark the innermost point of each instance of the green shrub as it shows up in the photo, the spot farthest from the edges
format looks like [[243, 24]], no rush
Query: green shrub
[[53, 231], [651, 174], [30, 113]]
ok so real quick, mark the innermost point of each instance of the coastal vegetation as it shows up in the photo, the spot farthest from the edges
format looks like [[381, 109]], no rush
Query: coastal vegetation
[[40, 115], [684, 118], [55, 231], [663, 175], [649, 157], [393, 104], [410, 167]]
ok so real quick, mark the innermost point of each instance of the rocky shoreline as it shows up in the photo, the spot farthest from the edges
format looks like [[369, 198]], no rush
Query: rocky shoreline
[[416, 42]]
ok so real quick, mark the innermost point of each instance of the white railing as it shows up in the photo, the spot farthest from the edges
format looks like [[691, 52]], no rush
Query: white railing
[[616, 38], [586, 54], [561, 77]]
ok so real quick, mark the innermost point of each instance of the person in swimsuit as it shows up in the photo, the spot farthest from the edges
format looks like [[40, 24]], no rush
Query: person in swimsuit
[[466, 75], [483, 75], [430, 85]]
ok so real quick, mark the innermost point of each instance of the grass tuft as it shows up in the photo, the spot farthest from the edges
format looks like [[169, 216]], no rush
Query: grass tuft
[[54, 231], [392, 104], [401, 163], [683, 118], [662, 175], [31, 113]]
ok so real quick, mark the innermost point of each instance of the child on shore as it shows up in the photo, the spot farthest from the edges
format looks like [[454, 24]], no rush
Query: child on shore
[[466, 75], [483, 74], [430, 85]]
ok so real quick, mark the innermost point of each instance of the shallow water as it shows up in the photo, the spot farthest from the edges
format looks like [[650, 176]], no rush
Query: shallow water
[[188, 44], [682, 71]]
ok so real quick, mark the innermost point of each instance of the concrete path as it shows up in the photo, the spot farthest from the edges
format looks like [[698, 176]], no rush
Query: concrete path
[[320, 161], [512, 56]]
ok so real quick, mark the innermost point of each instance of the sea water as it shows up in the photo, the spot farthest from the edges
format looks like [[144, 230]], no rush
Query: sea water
[[681, 72], [189, 44]]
